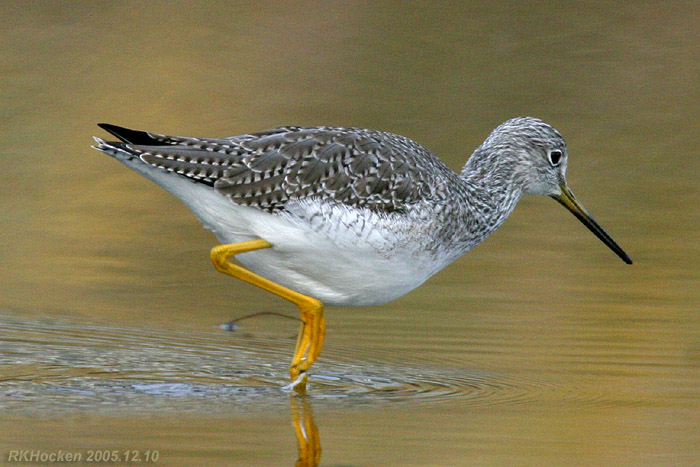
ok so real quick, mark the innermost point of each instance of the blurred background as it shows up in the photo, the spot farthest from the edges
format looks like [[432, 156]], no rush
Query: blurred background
[[538, 347]]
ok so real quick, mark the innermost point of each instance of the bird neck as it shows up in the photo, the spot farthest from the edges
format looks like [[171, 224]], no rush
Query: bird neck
[[491, 190]]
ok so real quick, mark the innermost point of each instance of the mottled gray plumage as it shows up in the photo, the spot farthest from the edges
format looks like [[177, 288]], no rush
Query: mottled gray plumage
[[380, 171], [372, 194]]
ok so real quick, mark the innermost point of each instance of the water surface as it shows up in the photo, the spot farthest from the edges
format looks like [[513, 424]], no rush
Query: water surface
[[539, 347]]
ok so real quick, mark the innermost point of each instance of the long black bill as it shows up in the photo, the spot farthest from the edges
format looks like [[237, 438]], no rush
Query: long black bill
[[569, 201]]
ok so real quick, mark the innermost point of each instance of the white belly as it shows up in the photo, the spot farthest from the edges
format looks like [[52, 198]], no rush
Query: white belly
[[342, 257], [336, 262]]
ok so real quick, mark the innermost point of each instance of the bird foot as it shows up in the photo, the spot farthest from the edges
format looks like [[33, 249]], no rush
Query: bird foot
[[298, 384]]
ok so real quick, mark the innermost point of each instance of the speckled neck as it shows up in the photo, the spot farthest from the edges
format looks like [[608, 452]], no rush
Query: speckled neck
[[484, 197]]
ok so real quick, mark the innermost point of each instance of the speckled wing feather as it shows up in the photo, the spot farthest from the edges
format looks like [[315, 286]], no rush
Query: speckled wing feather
[[364, 168]]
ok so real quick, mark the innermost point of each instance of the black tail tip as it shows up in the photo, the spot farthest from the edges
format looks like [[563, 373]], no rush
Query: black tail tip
[[130, 136]]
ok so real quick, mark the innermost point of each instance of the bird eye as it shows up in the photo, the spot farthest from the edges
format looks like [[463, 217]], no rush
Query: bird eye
[[555, 157]]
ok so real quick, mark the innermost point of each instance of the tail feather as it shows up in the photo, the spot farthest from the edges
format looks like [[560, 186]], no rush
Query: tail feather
[[115, 149], [140, 138], [150, 153]]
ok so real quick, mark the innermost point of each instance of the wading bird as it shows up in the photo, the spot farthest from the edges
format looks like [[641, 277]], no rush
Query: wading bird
[[347, 216]]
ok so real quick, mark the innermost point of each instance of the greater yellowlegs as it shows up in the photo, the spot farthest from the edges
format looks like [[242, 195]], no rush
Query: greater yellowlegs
[[347, 216]]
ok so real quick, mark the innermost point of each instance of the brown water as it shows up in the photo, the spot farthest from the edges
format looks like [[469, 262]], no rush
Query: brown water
[[539, 347]]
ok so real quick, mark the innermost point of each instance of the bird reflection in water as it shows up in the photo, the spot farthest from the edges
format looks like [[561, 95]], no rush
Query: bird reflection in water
[[306, 431]]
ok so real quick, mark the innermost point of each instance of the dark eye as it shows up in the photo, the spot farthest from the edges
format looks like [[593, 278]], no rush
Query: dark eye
[[555, 157]]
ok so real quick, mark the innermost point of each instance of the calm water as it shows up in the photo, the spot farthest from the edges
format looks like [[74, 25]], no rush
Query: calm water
[[539, 347]]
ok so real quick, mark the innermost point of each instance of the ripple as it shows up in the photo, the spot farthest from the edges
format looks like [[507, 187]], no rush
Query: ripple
[[419, 386], [55, 366]]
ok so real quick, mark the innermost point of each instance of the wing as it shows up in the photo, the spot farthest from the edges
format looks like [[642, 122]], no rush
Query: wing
[[364, 168]]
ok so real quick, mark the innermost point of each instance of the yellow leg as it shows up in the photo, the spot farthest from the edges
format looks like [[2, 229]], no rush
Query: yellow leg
[[313, 323]]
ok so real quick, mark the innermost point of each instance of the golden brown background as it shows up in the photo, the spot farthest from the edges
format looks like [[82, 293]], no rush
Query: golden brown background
[[539, 347]]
